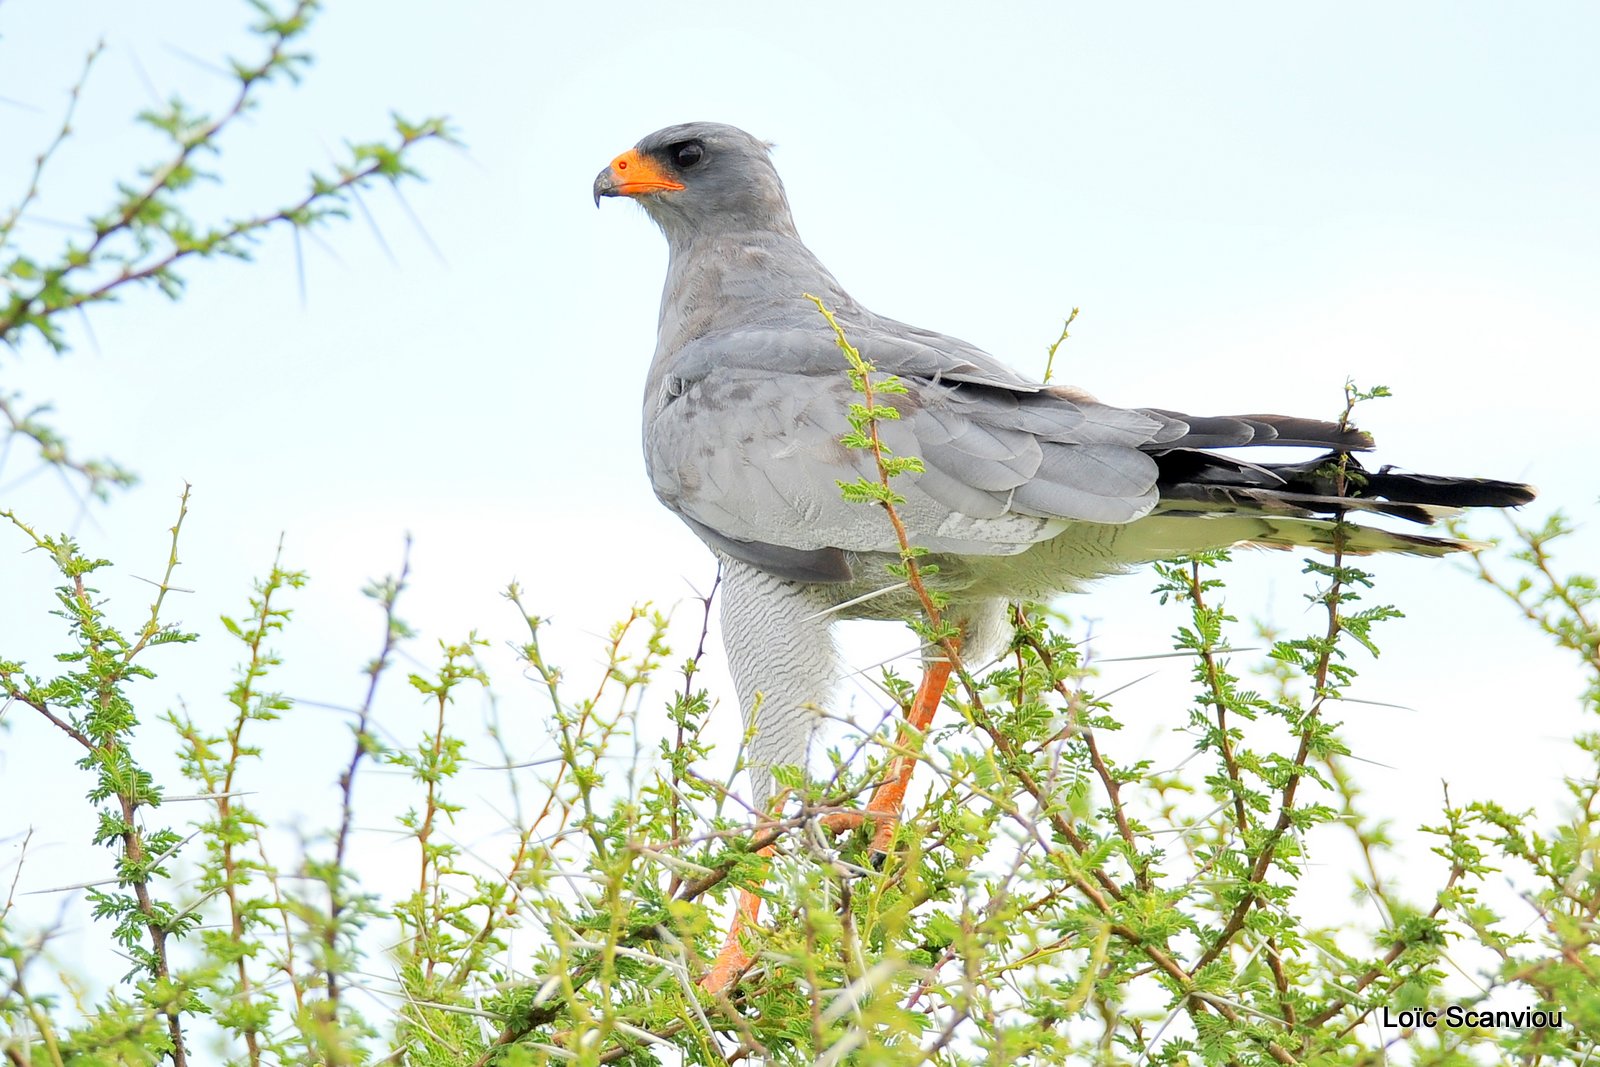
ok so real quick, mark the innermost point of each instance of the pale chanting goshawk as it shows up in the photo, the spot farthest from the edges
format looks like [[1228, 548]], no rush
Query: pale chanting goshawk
[[1028, 490]]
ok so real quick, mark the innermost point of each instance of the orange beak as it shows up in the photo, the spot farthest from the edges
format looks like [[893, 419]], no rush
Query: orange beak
[[632, 174]]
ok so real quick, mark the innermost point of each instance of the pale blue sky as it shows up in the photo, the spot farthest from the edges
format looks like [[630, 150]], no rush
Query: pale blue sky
[[1248, 202]]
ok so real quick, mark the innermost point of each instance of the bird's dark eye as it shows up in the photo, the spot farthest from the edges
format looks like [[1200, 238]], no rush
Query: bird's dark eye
[[688, 153]]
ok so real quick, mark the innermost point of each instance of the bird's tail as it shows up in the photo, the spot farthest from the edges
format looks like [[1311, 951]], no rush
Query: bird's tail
[[1210, 501], [1328, 486]]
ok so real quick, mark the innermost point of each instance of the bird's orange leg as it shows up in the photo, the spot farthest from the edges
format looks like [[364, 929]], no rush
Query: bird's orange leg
[[733, 959], [884, 807]]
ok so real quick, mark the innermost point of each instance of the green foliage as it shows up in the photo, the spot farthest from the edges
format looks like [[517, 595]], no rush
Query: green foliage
[[864, 418], [1055, 346], [1061, 900], [863, 436], [148, 237]]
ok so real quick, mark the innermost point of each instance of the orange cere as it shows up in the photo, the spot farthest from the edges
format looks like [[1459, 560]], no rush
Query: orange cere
[[635, 174]]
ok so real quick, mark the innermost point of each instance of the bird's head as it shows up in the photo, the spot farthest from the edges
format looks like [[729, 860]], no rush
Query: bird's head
[[700, 177]]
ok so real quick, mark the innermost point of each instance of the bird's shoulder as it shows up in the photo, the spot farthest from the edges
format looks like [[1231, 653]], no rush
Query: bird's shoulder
[[783, 341]]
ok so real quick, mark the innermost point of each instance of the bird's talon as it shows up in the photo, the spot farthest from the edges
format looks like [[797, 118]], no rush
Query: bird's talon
[[883, 840]]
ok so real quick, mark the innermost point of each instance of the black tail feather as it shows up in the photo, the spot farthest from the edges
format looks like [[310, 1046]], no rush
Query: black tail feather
[[1451, 492], [1207, 480]]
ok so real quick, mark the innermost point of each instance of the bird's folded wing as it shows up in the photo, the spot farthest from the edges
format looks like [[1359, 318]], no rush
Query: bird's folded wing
[[752, 457]]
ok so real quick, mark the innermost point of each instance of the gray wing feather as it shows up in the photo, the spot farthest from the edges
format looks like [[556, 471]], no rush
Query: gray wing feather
[[1094, 483], [997, 474], [937, 427], [756, 458], [961, 498]]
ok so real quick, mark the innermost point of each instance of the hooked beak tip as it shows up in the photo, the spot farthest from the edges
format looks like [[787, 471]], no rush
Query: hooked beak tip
[[605, 184]]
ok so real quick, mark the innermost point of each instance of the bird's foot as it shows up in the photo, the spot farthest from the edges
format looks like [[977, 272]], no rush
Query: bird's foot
[[842, 822], [883, 813]]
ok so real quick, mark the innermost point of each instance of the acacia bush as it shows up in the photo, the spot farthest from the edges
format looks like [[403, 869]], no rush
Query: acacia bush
[[1056, 904], [1055, 897]]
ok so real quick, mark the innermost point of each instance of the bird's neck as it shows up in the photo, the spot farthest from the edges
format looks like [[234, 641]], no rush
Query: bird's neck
[[739, 277]]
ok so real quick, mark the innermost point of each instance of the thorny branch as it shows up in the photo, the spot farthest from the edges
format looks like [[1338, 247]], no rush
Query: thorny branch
[[387, 594]]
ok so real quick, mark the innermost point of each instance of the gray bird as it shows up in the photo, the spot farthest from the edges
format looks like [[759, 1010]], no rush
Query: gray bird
[[1029, 490]]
